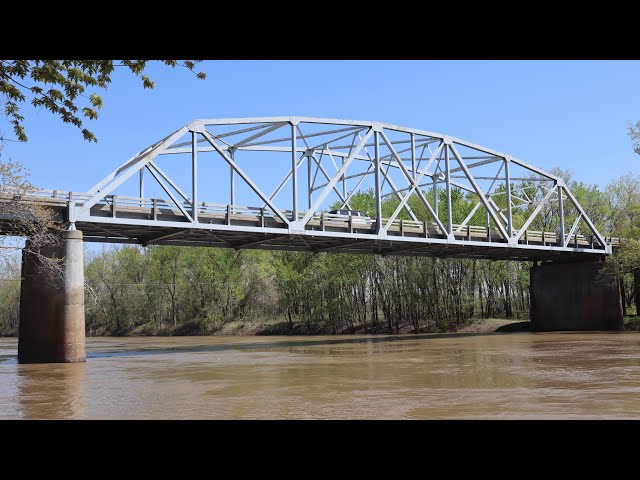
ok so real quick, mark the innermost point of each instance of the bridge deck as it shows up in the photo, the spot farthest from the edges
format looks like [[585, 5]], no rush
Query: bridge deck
[[156, 221]]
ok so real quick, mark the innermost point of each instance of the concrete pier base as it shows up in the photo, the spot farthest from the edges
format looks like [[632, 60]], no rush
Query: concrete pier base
[[570, 296], [51, 326]]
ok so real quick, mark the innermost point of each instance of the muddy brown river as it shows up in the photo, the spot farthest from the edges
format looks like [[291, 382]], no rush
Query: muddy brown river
[[518, 375]]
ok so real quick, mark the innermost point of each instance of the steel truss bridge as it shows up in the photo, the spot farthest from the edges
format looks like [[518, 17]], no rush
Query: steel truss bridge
[[290, 170]]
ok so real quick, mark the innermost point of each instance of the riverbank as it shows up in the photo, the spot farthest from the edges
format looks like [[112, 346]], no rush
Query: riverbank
[[489, 325], [283, 327], [632, 323]]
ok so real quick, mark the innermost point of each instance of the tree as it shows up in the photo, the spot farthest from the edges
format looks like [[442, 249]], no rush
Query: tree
[[60, 86], [622, 197], [634, 134], [22, 219]]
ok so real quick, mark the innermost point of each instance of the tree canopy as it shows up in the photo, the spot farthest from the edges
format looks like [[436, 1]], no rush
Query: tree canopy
[[634, 134], [61, 86]]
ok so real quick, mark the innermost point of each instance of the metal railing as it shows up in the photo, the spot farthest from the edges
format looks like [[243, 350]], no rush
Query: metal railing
[[154, 206]]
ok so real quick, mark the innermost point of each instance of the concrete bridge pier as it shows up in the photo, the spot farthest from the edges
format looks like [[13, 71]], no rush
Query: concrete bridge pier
[[571, 296], [52, 312]]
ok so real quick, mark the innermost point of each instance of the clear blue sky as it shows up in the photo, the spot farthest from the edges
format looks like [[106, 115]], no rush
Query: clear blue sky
[[572, 114]]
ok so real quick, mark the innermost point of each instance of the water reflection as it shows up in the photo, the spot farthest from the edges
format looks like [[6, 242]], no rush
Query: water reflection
[[51, 390], [241, 343]]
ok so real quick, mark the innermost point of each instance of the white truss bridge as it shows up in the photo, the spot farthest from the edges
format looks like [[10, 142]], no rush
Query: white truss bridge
[[290, 171]]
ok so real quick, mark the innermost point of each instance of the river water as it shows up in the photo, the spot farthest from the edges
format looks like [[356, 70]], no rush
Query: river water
[[517, 375]]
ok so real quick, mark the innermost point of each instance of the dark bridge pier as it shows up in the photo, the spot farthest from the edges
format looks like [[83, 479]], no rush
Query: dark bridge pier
[[52, 314], [570, 296]]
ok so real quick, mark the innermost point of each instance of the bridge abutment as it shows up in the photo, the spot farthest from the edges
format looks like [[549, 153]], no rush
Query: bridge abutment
[[51, 326], [571, 296]]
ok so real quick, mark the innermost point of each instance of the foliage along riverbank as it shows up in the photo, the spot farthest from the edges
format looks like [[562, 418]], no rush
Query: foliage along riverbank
[[165, 290]]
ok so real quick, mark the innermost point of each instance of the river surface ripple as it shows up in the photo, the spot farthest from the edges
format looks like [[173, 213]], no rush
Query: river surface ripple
[[516, 375]]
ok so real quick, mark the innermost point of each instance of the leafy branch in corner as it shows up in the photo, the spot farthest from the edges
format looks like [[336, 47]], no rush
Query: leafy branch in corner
[[60, 86]]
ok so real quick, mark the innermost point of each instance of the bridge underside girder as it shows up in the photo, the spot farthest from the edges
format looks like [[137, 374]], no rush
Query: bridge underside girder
[[362, 244]]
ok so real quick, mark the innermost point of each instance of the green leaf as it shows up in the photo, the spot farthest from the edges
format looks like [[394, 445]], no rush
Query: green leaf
[[96, 100], [88, 136], [19, 131], [56, 94], [89, 112], [146, 82]]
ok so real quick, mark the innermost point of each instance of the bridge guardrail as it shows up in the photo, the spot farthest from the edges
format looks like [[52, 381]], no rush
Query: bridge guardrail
[[58, 197]]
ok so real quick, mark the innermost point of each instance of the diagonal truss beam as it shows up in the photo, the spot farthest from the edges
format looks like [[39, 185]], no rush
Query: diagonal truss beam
[[326, 175], [413, 182], [355, 188], [475, 208], [497, 210], [260, 134], [284, 181], [164, 236], [227, 134], [334, 180], [258, 242], [395, 190], [133, 167], [387, 178], [171, 195], [469, 216], [152, 165], [244, 176], [573, 230], [284, 139], [534, 214], [326, 144], [585, 217], [343, 245], [475, 186], [126, 164]]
